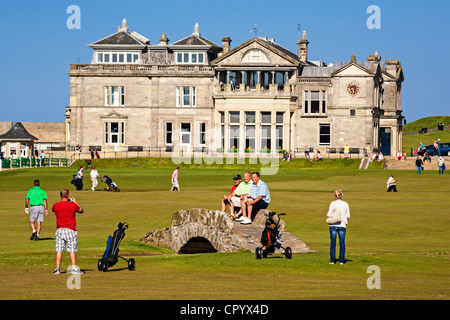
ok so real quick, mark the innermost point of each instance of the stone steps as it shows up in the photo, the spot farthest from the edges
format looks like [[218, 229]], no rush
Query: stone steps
[[410, 163]]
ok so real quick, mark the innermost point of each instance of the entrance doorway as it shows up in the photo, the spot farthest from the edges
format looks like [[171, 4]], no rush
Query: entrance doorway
[[385, 141]]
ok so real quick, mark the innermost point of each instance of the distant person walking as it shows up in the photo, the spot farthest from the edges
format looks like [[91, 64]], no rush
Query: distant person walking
[[391, 186], [419, 164], [37, 200], [175, 184], [441, 164], [66, 230], [94, 178], [79, 179], [338, 228]]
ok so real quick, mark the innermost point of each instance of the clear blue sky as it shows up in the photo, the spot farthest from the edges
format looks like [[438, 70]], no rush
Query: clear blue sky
[[37, 48]]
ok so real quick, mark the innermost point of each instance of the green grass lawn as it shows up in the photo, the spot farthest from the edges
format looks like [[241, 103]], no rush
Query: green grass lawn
[[412, 141], [405, 234], [428, 122]]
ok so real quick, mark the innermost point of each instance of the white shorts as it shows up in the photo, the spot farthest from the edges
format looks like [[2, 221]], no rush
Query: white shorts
[[37, 213], [236, 201], [175, 184], [66, 238]]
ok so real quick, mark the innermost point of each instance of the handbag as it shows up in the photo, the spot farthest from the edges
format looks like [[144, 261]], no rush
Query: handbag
[[334, 217]]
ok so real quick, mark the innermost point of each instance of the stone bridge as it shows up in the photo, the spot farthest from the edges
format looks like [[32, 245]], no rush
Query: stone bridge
[[203, 231]]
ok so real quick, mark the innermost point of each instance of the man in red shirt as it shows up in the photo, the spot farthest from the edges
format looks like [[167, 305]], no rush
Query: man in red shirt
[[66, 231], [226, 198]]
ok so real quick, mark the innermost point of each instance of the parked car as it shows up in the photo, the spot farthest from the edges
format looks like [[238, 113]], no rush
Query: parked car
[[445, 150]]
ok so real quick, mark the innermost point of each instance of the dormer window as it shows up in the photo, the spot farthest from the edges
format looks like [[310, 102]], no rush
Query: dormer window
[[122, 57], [190, 57], [255, 55]]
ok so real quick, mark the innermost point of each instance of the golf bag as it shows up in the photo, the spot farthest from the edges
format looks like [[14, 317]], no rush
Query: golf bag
[[111, 255], [271, 238]]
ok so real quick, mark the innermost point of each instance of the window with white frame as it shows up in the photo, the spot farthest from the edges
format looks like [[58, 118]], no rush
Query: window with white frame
[[117, 57], [202, 131], [234, 129], [279, 130], [186, 96], [222, 129], [190, 57], [266, 131], [315, 102], [250, 131], [185, 133], [169, 131], [114, 132], [114, 96], [324, 134]]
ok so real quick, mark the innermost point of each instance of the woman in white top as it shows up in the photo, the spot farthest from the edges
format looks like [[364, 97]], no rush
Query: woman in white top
[[339, 228]]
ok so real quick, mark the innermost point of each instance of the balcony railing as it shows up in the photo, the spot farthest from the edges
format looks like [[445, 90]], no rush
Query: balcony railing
[[139, 69], [271, 89]]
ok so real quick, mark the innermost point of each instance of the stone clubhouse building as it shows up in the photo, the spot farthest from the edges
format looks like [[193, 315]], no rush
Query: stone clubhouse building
[[196, 95]]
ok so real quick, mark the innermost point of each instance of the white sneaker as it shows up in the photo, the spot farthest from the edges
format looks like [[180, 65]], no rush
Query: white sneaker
[[246, 221], [241, 218]]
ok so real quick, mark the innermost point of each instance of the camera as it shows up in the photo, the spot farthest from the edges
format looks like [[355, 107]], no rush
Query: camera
[[70, 200]]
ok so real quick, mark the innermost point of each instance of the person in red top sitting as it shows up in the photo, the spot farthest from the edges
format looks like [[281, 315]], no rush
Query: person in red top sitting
[[226, 198], [66, 229]]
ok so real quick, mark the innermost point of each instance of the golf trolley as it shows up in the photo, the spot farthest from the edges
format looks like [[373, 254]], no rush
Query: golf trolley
[[111, 255], [271, 238]]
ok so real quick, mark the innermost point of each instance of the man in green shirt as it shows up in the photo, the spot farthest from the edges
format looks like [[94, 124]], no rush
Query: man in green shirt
[[36, 199], [235, 196]]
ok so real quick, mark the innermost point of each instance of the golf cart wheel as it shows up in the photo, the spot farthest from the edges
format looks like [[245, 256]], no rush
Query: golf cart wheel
[[288, 253], [258, 253], [116, 190], [105, 189], [131, 264], [100, 264], [104, 266]]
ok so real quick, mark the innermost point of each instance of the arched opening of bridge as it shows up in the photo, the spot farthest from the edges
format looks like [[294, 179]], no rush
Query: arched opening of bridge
[[197, 245]]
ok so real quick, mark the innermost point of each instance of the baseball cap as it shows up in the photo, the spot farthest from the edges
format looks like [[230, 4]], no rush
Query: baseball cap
[[237, 177]]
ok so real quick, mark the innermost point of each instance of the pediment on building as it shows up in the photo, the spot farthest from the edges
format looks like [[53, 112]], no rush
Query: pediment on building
[[257, 52], [357, 69], [390, 77], [114, 116]]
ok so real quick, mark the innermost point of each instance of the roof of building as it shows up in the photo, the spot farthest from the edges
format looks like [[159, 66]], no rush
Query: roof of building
[[18, 133], [123, 37], [195, 39], [269, 44]]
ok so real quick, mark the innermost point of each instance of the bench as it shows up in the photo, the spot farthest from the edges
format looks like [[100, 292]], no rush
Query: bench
[[135, 148], [95, 148]]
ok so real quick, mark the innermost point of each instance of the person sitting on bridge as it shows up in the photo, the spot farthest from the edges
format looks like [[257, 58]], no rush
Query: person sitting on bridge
[[257, 198], [227, 199], [236, 196]]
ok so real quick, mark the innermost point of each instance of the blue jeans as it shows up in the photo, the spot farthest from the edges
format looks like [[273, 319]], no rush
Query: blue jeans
[[419, 170], [334, 231], [441, 170]]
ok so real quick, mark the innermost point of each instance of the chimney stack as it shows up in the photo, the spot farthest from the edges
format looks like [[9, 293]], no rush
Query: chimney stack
[[302, 48], [374, 58], [163, 40], [226, 41]]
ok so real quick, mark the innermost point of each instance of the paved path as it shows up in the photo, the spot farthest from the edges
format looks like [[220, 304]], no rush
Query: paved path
[[250, 235]]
